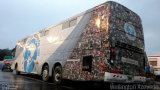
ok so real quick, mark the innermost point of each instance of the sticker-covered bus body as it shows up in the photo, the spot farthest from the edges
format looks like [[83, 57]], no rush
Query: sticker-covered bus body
[[105, 43]]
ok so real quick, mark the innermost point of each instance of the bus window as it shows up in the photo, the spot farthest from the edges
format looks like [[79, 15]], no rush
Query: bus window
[[65, 25], [87, 63], [73, 22], [44, 33]]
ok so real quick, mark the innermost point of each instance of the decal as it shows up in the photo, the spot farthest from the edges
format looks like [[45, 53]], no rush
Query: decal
[[31, 53], [130, 31]]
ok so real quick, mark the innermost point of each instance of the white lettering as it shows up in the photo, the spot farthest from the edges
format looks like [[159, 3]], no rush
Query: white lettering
[[130, 61]]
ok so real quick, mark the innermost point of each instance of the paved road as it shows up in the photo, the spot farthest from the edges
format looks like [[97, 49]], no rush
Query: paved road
[[10, 81]]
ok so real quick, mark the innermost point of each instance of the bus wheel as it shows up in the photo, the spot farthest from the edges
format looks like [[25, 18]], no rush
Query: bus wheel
[[16, 70], [57, 75], [45, 73]]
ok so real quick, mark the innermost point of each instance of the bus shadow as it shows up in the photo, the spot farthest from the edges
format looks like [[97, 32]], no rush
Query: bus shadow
[[90, 85], [86, 85], [73, 85]]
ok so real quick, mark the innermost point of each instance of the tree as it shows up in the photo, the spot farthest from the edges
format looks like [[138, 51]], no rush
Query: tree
[[5, 52]]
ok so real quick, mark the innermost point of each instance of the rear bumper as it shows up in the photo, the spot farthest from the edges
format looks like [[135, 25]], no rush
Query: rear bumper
[[112, 77], [6, 67]]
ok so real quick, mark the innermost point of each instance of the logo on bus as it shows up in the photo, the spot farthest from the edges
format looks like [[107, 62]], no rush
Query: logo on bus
[[31, 53], [130, 31]]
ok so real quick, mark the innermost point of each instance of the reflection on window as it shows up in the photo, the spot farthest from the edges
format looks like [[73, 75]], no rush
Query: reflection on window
[[41, 33], [65, 25], [70, 23], [44, 33]]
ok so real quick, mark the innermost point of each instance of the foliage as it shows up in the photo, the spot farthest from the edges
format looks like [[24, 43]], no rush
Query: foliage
[[5, 52]]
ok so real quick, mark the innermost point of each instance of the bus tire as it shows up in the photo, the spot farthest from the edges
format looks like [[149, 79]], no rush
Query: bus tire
[[16, 70], [45, 73], [57, 75]]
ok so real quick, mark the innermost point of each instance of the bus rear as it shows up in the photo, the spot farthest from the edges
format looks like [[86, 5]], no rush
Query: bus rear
[[126, 39], [110, 48]]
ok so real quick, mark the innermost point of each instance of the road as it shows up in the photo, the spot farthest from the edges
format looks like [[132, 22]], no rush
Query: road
[[10, 81]]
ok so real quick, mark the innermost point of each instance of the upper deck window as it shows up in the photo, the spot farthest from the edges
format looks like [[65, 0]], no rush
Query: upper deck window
[[44, 33], [73, 22], [70, 23], [65, 25], [24, 40]]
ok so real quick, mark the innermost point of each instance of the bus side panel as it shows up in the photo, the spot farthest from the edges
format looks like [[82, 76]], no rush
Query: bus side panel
[[127, 40], [87, 61], [27, 54], [63, 42]]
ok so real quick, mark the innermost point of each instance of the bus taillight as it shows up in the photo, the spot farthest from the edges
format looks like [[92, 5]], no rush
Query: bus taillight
[[116, 71], [103, 67], [112, 56]]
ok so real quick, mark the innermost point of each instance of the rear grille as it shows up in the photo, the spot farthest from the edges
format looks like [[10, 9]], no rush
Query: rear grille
[[129, 47]]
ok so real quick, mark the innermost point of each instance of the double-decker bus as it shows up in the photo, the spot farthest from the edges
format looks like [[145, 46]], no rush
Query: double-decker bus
[[104, 43]]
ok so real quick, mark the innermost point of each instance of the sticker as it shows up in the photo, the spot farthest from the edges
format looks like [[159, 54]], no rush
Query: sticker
[[130, 31], [31, 52], [130, 61]]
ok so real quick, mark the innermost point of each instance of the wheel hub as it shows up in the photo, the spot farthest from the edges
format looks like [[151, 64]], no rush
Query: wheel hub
[[45, 73], [57, 77]]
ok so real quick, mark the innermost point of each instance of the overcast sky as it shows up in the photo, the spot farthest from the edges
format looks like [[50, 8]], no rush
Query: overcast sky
[[19, 18]]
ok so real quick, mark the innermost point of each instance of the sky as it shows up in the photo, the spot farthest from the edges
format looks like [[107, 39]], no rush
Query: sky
[[19, 18]]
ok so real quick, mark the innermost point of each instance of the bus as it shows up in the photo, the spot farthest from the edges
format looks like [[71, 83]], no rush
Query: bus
[[104, 43], [154, 63]]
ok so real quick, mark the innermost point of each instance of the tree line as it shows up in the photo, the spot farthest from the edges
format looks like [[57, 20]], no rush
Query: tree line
[[6, 52]]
